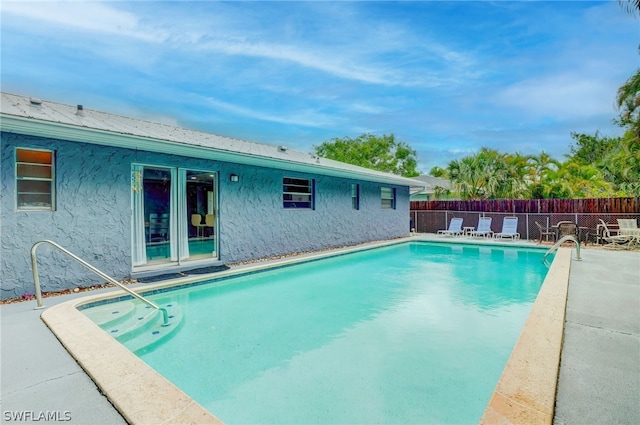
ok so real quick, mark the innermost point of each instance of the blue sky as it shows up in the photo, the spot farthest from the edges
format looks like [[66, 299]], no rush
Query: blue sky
[[445, 77]]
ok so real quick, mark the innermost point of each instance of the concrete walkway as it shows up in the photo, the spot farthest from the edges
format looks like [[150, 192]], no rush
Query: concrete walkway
[[599, 379], [38, 377]]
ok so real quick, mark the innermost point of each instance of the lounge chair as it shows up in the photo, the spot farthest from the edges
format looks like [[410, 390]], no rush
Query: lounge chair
[[509, 229], [484, 228], [628, 226], [615, 241], [455, 228]]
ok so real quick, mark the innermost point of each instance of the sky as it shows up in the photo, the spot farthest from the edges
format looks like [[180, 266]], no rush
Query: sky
[[446, 78]]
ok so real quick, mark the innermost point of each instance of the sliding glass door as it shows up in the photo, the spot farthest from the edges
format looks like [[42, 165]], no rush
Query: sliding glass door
[[174, 215], [200, 202]]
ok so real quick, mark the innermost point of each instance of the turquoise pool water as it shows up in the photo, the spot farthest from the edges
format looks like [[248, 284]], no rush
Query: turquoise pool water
[[411, 333]]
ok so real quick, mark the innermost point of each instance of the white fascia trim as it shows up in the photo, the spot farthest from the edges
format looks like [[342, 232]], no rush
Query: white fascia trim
[[128, 141]]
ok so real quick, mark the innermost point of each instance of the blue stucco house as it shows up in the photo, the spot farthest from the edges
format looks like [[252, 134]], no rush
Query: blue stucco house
[[135, 198]]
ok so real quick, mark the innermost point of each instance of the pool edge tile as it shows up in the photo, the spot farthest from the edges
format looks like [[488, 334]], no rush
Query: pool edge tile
[[526, 390]]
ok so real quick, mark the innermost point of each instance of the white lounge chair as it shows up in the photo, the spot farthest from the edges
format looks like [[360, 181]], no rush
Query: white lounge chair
[[455, 228], [628, 226], [509, 229], [484, 228], [615, 241]]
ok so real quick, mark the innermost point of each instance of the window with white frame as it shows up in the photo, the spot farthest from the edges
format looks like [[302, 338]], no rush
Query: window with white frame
[[388, 197], [35, 179], [355, 196], [297, 193]]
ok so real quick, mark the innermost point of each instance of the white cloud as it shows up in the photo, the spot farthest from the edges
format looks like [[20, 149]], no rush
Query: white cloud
[[362, 55], [308, 57], [86, 16], [568, 96], [307, 118], [367, 108]]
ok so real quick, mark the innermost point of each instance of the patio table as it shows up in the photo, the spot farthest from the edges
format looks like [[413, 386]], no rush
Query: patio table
[[467, 229]]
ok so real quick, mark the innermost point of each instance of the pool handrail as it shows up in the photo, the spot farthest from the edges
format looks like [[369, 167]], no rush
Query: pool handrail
[[36, 278], [560, 242]]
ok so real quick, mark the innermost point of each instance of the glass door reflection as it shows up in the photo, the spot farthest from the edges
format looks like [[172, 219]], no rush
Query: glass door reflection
[[157, 213], [201, 214]]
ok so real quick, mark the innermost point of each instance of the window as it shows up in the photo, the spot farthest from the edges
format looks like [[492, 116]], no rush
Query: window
[[297, 193], [388, 197], [34, 179], [355, 196]]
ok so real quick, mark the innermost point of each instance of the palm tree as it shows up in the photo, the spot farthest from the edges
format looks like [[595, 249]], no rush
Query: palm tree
[[624, 165], [585, 181], [518, 170], [630, 5], [486, 175], [467, 178], [628, 101]]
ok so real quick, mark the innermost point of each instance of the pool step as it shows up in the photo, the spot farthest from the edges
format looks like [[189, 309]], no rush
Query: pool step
[[110, 315], [137, 326]]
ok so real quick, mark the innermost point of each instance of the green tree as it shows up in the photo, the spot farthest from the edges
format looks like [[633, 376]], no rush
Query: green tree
[[590, 150], [628, 101], [542, 181], [485, 175], [518, 172], [584, 181], [438, 172], [541, 164], [383, 153], [623, 165]]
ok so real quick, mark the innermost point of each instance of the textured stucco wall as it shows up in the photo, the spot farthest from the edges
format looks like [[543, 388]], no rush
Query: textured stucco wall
[[93, 214]]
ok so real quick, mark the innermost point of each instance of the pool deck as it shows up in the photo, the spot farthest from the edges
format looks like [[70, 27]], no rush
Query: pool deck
[[598, 380]]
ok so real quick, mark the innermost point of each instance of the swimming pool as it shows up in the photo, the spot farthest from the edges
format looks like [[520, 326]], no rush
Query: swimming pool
[[417, 332]]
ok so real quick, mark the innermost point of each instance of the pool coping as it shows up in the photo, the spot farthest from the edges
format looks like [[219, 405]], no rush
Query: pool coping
[[525, 392]]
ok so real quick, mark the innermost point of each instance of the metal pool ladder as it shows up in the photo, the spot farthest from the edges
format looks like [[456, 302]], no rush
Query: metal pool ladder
[[36, 278], [560, 242]]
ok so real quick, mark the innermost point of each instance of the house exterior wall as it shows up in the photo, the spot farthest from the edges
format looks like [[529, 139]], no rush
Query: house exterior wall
[[92, 217]]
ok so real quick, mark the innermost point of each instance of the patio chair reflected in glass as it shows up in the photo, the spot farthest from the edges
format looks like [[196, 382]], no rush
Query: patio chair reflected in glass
[[484, 228], [545, 233], [615, 241], [210, 221], [196, 221], [455, 228], [509, 229]]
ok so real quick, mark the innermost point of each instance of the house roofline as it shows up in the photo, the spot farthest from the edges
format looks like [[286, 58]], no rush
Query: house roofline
[[62, 131]]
